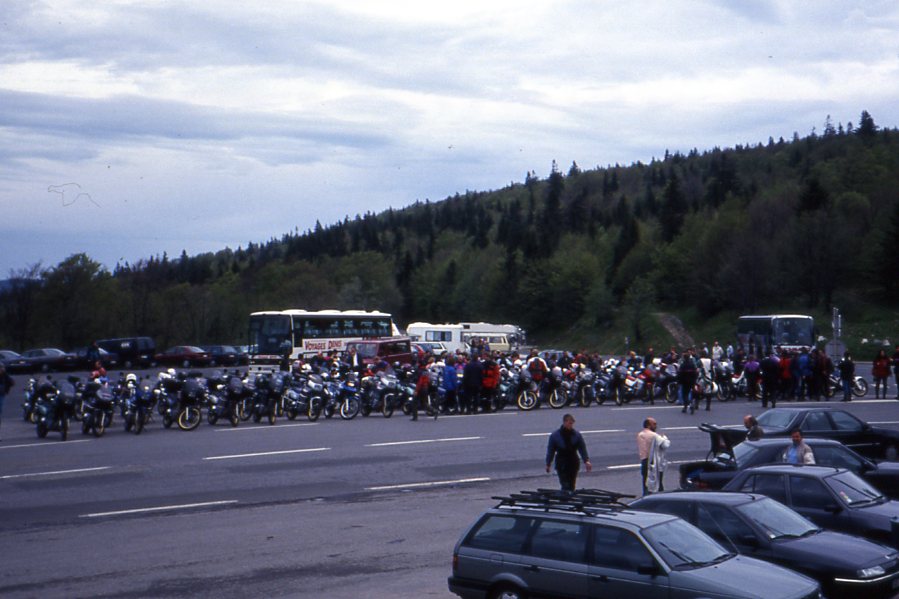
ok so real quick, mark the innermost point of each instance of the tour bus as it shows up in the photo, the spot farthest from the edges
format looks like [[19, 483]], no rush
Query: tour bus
[[448, 334], [277, 338], [761, 334]]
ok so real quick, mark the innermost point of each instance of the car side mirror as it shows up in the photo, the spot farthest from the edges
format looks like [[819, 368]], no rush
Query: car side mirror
[[833, 508]]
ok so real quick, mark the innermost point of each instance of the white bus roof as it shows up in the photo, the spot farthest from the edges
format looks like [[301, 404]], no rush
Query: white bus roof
[[428, 325], [322, 313], [775, 316]]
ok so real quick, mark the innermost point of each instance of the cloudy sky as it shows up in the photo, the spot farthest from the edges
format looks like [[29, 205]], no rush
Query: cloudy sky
[[132, 128]]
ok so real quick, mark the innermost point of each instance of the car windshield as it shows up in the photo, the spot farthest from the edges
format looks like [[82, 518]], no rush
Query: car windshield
[[775, 419], [684, 546], [852, 489], [366, 350], [777, 520], [743, 454]]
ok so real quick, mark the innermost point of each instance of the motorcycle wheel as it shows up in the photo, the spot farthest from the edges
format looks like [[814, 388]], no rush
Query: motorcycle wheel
[[349, 408], [365, 409], [527, 400], [235, 420], [257, 417], [79, 410], [167, 420], [558, 399], [387, 407], [328, 410], [291, 413], [85, 427], [671, 392], [860, 387], [129, 422], [99, 427], [312, 412], [64, 428], [189, 418], [243, 412], [138, 422], [41, 430], [211, 417], [583, 398], [271, 415]]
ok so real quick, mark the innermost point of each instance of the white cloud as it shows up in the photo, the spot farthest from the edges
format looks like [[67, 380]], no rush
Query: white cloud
[[219, 123]]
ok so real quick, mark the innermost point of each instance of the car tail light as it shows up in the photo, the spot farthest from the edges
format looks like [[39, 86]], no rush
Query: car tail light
[[455, 562]]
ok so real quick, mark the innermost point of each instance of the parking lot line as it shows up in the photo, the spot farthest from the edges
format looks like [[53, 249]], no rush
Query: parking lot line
[[55, 472], [46, 443], [265, 453], [446, 440], [263, 427], [161, 508], [435, 483]]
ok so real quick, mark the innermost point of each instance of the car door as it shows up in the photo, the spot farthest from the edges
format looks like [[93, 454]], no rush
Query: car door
[[810, 497], [817, 424], [554, 564], [620, 565], [766, 483], [726, 527], [852, 432]]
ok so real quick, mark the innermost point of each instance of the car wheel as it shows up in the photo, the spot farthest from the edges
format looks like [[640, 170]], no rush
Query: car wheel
[[891, 453], [185, 364], [507, 592]]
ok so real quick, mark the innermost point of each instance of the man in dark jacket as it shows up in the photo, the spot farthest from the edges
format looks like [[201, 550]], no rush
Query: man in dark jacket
[[770, 371], [471, 385], [568, 447], [6, 383]]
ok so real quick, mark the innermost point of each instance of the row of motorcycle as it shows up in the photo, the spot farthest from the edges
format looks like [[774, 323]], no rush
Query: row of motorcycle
[[180, 398]]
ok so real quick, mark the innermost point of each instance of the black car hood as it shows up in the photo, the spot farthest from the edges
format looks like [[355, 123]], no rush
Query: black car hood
[[876, 516], [833, 549]]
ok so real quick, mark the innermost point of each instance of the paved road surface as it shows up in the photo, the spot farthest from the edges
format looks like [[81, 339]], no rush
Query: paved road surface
[[366, 508]]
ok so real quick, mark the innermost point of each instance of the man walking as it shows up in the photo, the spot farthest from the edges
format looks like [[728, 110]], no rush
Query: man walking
[[568, 447]]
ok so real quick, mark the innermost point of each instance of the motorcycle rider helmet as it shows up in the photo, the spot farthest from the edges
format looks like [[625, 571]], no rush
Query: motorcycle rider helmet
[[131, 378], [170, 372]]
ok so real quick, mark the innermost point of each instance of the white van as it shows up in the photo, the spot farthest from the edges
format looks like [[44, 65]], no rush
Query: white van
[[448, 334]]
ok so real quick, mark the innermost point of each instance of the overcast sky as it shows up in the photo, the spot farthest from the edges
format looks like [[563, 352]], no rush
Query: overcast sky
[[130, 128]]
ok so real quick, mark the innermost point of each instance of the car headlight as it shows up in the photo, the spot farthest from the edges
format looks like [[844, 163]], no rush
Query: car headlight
[[872, 572]]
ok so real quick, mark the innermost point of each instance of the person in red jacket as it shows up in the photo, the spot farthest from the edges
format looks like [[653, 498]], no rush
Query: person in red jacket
[[880, 370], [489, 382]]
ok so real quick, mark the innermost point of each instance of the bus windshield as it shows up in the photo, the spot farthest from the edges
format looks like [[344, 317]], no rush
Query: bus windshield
[[793, 331], [270, 334]]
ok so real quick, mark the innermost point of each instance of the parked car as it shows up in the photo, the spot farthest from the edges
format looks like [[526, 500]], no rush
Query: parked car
[[552, 544], [389, 349], [845, 566], [832, 498], [47, 359], [222, 355], [14, 361], [727, 458], [831, 423], [436, 348], [82, 362], [133, 352], [184, 356]]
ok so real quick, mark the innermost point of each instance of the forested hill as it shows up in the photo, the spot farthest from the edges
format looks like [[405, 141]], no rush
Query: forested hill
[[792, 224]]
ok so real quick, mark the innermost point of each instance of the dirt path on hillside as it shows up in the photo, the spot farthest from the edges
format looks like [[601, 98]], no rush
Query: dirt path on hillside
[[674, 326]]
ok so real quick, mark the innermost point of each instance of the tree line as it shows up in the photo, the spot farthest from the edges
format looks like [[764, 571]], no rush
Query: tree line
[[802, 223]]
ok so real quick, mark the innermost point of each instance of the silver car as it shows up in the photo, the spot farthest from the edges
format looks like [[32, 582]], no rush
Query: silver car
[[549, 544]]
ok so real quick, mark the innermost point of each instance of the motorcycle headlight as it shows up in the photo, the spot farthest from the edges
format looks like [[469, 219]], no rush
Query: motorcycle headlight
[[871, 572]]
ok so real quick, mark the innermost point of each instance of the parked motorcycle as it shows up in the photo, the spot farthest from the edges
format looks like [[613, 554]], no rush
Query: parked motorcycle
[[53, 409]]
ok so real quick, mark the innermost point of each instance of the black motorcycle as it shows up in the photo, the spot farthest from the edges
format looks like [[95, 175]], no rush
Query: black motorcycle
[[53, 408], [224, 399], [184, 405], [97, 408]]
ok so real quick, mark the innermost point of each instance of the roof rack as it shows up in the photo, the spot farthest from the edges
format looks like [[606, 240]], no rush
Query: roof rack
[[581, 500]]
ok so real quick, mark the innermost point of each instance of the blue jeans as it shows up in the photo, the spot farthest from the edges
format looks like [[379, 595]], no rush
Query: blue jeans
[[847, 390], [686, 399]]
